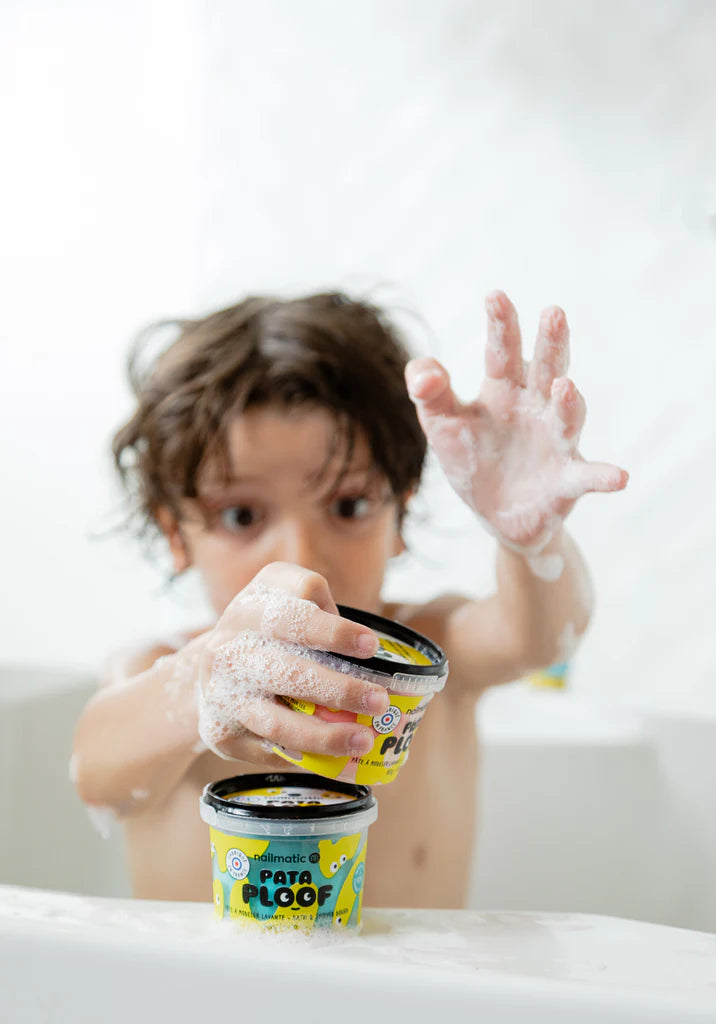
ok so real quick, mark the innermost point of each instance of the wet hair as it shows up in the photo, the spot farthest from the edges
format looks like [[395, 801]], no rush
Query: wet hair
[[324, 351]]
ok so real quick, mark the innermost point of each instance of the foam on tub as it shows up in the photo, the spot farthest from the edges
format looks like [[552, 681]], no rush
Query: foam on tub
[[69, 951]]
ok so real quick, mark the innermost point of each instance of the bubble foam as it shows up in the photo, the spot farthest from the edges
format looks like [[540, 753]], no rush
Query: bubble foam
[[546, 567], [103, 820], [247, 674], [277, 612]]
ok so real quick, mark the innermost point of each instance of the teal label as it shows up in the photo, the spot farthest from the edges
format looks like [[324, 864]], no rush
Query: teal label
[[296, 882]]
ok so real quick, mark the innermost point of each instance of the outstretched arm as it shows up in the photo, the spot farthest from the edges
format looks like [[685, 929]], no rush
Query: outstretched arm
[[512, 456]]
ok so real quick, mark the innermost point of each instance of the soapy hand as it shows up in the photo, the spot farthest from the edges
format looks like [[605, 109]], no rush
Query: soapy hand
[[256, 653], [512, 454]]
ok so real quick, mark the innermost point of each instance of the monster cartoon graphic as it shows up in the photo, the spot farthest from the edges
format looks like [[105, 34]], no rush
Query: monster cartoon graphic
[[334, 855], [221, 844], [296, 906], [350, 898]]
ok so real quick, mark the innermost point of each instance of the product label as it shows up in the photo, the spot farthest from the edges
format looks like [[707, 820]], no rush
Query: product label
[[395, 650], [394, 731], [289, 796], [289, 883]]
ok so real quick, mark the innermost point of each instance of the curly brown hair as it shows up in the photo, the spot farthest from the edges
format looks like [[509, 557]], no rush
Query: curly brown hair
[[326, 351]]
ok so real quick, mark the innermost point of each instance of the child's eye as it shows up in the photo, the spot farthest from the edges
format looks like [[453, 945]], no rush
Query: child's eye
[[352, 508], [239, 517]]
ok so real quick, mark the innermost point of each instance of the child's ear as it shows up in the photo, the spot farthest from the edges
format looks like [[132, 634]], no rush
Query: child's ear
[[177, 547]]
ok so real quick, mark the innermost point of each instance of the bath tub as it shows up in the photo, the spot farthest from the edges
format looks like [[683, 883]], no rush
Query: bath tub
[[593, 897]]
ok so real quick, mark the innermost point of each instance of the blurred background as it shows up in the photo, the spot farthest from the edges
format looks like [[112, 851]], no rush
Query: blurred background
[[166, 157]]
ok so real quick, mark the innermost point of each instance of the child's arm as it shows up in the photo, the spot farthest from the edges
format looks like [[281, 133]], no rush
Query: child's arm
[[512, 457], [138, 737]]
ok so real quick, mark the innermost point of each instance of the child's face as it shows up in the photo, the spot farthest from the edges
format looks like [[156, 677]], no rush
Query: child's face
[[282, 505]]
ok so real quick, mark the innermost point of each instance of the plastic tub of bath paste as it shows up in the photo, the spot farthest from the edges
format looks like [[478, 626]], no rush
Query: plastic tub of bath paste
[[411, 667], [287, 851]]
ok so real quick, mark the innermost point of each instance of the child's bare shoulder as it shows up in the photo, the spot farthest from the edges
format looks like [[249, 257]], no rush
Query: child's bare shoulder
[[431, 619], [133, 659]]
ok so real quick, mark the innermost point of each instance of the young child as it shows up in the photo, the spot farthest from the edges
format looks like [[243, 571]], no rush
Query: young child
[[276, 448]]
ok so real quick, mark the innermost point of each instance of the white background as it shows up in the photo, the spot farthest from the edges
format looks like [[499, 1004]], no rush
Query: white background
[[166, 157]]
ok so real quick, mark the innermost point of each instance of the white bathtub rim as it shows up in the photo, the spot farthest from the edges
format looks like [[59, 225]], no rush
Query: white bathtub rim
[[583, 956]]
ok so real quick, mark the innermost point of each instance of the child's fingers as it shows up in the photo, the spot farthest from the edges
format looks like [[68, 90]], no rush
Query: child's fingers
[[269, 722], [503, 354], [593, 476], [287, 728], [296, 620], [253, 750], [291, 603], [428, 384], [551, 357], [568, 406], [326, 632], [305, 679], [253, 668], [301, 582]]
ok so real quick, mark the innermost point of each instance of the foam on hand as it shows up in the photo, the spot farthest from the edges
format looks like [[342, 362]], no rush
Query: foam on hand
[[411, 668], [292, 613], [182, 670], [251, 667], [246, 673], [281, 613]]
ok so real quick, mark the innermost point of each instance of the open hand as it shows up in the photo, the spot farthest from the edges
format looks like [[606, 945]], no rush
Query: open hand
[[512, 454], [259, 651]]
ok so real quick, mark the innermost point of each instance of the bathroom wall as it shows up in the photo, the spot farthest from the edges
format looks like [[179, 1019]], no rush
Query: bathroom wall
[[171, 156]]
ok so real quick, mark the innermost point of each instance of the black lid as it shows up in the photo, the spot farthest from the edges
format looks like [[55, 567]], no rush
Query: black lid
[[358, 798], [401, 633]]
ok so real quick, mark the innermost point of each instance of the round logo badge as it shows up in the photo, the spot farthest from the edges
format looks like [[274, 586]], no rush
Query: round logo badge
[[237, 864], [387, 721], [358, 879]]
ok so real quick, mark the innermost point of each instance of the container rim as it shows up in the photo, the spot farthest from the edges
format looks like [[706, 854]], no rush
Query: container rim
[[358, 798], [400, 632]]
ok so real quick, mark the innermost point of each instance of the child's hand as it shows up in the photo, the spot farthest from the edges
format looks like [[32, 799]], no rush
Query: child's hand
[[512, 454], [256, 653]]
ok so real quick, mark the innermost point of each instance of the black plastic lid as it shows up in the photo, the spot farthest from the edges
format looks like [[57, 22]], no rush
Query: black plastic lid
[[397, 631], [358, 798]]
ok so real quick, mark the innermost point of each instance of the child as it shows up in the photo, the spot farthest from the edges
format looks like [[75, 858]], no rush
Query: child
[[275, 447]]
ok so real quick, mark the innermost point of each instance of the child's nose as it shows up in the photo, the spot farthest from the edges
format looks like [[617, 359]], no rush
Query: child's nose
[[300, 544]]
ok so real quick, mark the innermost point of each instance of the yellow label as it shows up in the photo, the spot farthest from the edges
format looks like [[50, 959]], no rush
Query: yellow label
[[304, 706], [288, 882], [221, 843], [394, 650], [393, 733], [289, 796]]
